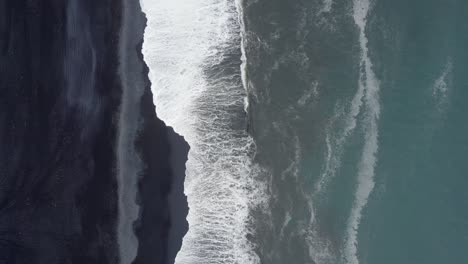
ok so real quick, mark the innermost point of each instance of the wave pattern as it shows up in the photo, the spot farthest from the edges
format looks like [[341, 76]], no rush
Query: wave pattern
[[193, 50]]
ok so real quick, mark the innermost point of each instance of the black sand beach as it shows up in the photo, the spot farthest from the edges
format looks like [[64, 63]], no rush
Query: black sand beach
[[61, 96]]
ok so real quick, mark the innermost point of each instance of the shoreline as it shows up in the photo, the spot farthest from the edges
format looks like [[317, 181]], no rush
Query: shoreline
[[162, 223]]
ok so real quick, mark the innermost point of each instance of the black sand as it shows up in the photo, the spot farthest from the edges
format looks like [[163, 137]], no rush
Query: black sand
[[60, 94]]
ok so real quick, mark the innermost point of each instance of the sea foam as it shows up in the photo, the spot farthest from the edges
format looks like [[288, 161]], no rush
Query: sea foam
[[193, 49], [366, 168], [440, 88]]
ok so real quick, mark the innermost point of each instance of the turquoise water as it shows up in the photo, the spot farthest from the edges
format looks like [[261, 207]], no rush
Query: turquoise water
[[358, 110]]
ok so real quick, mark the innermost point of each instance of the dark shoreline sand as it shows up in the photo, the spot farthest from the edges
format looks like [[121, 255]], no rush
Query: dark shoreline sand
[[59, 96], [60, 102]]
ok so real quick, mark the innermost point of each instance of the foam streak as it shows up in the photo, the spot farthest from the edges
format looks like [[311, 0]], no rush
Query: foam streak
[[368, 161]]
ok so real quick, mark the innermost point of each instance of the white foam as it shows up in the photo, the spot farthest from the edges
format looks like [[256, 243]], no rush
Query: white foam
[[344, 122], [335, 145], [320, 247], [287, 219], [183, 40], [326, 6], [306, 97], [293, 168], [240, 14], [440, 88], [368, 161]]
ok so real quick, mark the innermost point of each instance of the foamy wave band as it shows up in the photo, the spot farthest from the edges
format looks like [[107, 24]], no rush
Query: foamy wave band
[[193, 50], [366, 169]]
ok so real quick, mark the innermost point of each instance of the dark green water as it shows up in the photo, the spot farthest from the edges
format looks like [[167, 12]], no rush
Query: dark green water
[[358, 110]]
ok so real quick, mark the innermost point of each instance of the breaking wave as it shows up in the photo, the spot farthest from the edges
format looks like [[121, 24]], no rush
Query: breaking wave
[[194, 52]]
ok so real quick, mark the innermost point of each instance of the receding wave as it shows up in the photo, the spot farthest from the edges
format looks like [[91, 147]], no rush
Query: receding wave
[[193, 50]]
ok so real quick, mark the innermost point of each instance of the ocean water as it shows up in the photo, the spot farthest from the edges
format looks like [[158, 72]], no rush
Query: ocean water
[[321, 131], [193, 51]]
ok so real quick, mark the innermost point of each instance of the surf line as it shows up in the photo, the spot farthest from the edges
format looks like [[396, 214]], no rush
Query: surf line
[[366, 167], [188, 46]]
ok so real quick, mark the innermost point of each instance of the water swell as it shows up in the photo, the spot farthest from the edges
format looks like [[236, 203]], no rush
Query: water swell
[[192, 50]]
